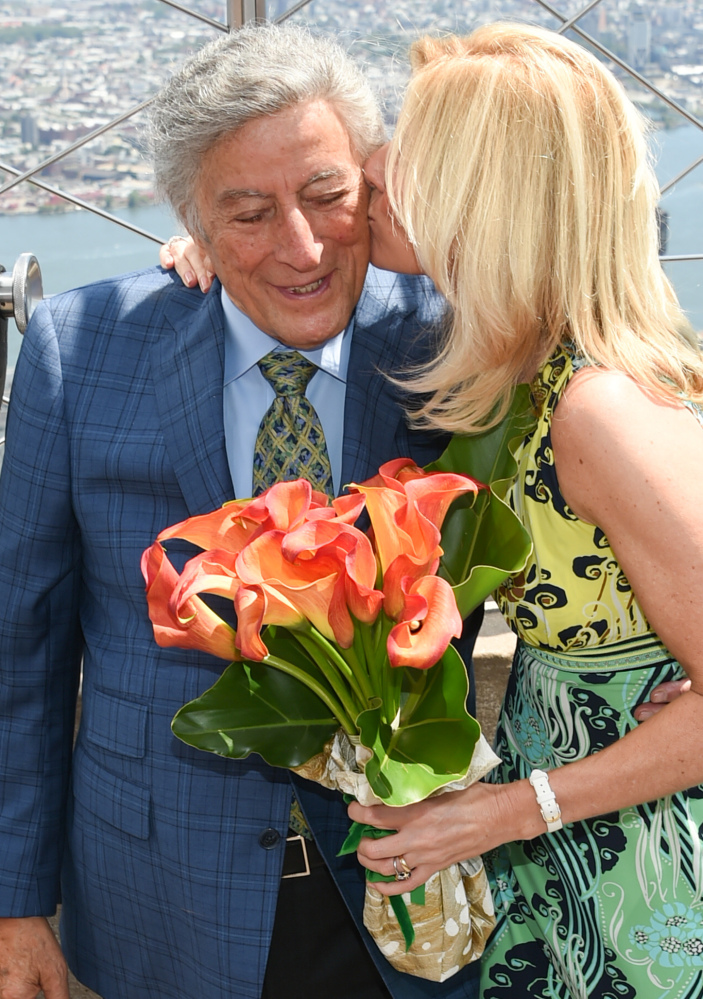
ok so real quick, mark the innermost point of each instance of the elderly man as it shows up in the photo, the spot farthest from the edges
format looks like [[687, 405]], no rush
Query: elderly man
[[136, 403]]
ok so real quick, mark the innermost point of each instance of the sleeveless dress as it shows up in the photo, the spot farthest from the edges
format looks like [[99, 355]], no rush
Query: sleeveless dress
[[610, 907]]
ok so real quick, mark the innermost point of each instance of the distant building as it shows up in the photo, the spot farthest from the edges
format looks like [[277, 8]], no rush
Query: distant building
[[62, 133], [30, 130], [639, 38]]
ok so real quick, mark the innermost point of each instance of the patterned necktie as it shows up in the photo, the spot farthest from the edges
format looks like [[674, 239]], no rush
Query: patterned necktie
[[290, 443]]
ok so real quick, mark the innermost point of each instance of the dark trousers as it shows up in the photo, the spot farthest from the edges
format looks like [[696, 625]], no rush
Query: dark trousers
[[316, 950]]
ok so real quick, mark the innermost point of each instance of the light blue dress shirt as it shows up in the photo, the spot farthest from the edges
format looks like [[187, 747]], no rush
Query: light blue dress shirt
[[247, 395]]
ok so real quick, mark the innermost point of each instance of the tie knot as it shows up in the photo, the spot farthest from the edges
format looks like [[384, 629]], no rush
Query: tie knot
[[287, 371]]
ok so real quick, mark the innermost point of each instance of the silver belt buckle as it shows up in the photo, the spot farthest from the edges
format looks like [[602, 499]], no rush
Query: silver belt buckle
[[304, 847]]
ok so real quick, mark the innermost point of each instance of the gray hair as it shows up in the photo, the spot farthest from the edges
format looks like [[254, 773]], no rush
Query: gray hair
[[256, 71]]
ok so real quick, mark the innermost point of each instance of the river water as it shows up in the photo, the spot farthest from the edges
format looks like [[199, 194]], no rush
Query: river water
[[76, 247]]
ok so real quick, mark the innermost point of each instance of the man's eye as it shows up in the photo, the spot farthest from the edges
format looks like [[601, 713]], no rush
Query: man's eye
[[257, 217], [328, 199]]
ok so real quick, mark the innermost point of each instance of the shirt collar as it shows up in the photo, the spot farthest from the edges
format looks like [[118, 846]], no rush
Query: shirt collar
[[246, 344]]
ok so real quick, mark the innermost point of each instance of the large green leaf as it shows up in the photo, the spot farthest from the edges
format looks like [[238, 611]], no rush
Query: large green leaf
[[254, 708], [483, 545], [434, 740], [488, 457], [483, 540]]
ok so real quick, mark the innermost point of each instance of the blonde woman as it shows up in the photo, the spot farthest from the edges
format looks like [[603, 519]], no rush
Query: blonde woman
[[520, 182], [518, 179]]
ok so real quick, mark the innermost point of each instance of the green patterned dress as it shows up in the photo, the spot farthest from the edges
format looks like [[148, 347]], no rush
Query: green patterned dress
[[609, 908]]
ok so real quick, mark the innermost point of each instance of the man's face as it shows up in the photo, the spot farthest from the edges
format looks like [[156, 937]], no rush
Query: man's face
[[283, 204]]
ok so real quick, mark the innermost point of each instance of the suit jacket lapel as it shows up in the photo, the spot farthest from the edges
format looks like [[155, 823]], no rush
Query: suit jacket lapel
[[372, 413], [390, 335], [188, 371]]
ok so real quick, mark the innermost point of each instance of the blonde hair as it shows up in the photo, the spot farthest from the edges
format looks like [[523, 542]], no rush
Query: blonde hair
[[520, 171]]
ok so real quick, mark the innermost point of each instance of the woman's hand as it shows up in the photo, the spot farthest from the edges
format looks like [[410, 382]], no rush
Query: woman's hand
[[191, 265], [446, 829]]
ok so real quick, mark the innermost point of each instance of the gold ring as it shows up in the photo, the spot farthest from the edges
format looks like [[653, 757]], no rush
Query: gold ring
[[402, 871]]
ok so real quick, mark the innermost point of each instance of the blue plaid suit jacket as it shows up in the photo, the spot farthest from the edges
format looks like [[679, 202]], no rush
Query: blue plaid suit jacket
[[115, 430]]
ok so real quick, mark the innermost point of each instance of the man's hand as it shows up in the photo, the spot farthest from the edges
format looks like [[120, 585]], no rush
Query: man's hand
[[31, 960], [660, 696]]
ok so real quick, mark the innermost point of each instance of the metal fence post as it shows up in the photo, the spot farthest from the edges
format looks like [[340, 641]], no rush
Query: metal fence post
[[3, 352], [241, 11]]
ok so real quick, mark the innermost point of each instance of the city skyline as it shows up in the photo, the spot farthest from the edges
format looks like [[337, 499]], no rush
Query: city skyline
[[66, 71]]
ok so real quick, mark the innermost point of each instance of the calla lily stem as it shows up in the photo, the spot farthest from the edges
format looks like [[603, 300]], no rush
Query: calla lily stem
[[329, 670], [335, 706], [358, 673]]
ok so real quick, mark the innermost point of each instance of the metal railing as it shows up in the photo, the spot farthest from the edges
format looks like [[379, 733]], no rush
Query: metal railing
[[240, 11]]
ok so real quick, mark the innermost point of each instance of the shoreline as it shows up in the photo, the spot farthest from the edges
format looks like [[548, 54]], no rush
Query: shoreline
[[145, 198]]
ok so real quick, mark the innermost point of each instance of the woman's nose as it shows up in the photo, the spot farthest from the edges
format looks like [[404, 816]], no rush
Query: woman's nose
[[375, 168]]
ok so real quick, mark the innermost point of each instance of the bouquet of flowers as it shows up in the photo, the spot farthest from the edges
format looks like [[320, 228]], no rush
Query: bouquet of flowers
[[341, 665]]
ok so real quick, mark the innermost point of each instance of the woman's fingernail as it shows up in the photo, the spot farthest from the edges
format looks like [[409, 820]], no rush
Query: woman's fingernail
[[189, 278], [204, 283]]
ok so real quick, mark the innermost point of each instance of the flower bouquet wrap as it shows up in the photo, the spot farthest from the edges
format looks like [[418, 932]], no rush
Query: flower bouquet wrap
[[341, 666]]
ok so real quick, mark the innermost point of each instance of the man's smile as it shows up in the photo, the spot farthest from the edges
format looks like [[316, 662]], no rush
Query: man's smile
[[306, 290]]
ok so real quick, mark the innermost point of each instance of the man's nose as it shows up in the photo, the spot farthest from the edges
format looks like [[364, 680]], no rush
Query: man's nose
[[298, 245]]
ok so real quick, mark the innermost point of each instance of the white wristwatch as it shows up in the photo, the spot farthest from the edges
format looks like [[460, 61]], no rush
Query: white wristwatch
[[551, 813]]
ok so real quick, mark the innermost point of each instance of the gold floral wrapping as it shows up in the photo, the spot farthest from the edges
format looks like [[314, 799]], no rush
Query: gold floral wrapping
[[451, 928], [456, 919]]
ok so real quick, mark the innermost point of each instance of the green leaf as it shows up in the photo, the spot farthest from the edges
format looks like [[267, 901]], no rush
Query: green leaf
[[433, 742], [482, 547], [483, 540], [397, 902], [488, 457], [254, 708]]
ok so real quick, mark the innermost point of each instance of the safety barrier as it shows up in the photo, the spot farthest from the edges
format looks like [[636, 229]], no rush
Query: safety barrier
[[13, 292]]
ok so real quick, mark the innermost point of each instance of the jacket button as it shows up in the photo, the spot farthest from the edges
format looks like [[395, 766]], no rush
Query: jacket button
[[269, 838]]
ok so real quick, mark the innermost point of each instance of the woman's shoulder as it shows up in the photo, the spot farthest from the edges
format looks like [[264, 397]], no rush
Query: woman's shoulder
[[598, 397], [610, 434]]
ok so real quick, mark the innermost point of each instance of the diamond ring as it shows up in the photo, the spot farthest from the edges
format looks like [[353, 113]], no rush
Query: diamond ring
[[402, 871]]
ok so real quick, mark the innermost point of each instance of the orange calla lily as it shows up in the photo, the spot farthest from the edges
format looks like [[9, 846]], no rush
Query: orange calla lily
[[321, 580], [223, 528], [266, 588], [330, 611], [285, 505], [349, 547], [255, 607], [282, 507], [290, 558], [407, 507], [314, 586], [428, 622], [210, 572], [196, 626]]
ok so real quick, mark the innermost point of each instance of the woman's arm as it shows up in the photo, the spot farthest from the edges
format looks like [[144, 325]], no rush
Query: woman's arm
[[634, 466]]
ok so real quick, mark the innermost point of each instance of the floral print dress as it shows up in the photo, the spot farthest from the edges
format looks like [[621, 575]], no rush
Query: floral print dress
[[610, 908]]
